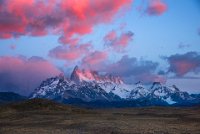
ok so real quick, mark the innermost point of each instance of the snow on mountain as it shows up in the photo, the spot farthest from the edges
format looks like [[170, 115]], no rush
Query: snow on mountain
[[169, 100], [89, 86], [121, 90], [139, 91], [52, 88], [170, 94], [62, 88]]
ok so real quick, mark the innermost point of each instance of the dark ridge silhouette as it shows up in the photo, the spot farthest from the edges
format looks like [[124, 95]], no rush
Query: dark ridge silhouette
[[9, 97]]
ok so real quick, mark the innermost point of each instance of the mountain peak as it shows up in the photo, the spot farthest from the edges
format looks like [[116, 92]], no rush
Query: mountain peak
[[79, 75], [156, 85], [175, 87], [76, 68], [138, 83], [61, 76], [75, 75]]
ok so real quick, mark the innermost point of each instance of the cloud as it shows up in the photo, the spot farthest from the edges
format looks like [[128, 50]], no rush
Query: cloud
[[156, 7], [111, 36], [127, 66], [185, 84], [150, 77], [12, 47], [133, 70], [66, 18], [70, 53], [118, 43], [95, 58], [198, 31], [181, 64], [183, 45], [71, 42], [130, 69], [22, 75]]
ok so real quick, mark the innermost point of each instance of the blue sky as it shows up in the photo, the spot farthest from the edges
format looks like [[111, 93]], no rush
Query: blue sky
[[179, 24], [168, 32]]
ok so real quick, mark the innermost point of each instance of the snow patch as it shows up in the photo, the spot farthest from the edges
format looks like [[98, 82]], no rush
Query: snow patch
[[170, 101]]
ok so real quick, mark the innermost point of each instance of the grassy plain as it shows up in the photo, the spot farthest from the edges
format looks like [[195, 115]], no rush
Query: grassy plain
[[46, 117]]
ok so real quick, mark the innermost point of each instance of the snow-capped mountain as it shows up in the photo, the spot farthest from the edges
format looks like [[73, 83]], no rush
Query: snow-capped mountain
[[60, 88], [89, 86], [139, 91], [169, 94]]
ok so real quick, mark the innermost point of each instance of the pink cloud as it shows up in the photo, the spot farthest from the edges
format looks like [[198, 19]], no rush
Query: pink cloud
[[124, 39], [71, 42], [156, 7], [95, 57], [23, 75], [70, 52], [118, 43], [111, 36], [181, 64], [12, 47], [66, 18]]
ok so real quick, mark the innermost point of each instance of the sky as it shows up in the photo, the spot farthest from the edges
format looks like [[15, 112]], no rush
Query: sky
[[138, 40]]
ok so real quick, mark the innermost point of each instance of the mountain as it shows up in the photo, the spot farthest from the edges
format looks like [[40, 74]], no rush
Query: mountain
[[9, 97], [59, 88], [79, 76], [87, 87]]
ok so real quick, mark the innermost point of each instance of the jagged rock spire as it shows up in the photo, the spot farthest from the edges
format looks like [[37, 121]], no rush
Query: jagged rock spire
[[74, 76], [88, 75], [61, 76], [156, 84]]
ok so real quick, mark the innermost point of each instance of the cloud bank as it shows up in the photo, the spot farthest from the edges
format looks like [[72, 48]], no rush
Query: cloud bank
[[22, 75], [134, 70]]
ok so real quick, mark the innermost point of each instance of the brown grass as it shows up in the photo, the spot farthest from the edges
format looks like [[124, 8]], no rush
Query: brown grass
[[68, 119]]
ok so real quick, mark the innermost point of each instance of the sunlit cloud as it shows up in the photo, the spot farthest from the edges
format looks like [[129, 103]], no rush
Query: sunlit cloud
[[65, 18]]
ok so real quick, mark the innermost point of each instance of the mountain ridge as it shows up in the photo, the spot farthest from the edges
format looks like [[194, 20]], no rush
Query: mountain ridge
[[89, 86], [9, 97]]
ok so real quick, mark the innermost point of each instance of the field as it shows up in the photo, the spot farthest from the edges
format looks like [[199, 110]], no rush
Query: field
[[46, 117]]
